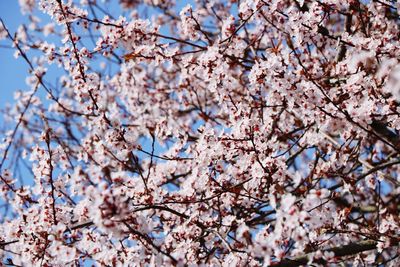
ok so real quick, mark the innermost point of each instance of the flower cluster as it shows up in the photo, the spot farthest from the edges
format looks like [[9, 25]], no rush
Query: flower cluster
[[259, 133]]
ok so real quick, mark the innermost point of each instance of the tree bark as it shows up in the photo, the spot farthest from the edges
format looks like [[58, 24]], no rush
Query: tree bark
[[341, 251]]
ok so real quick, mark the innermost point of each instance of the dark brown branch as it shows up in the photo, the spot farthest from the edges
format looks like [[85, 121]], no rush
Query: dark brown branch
[[341, 251], [51, 168], [150, 242]]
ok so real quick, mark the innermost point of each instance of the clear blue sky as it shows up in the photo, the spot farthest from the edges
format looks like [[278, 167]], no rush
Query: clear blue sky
[[12, 71]]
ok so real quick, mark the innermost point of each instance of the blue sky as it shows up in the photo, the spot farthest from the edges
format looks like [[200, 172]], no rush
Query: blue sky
[[12, 71]]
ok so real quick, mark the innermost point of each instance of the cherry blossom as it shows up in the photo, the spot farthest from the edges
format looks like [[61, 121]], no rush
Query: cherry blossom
[[202, 133]]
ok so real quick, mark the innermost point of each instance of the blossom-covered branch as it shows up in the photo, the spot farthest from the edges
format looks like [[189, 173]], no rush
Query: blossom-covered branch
[[210, 133]]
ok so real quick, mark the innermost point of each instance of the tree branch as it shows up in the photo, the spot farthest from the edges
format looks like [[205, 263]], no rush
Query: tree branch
[[341, 251]]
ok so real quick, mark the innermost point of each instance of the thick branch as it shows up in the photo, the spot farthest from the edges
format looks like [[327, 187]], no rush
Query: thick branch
[[342, 251]]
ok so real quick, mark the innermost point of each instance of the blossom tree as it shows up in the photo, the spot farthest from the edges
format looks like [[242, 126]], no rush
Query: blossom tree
[[210, 133]]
